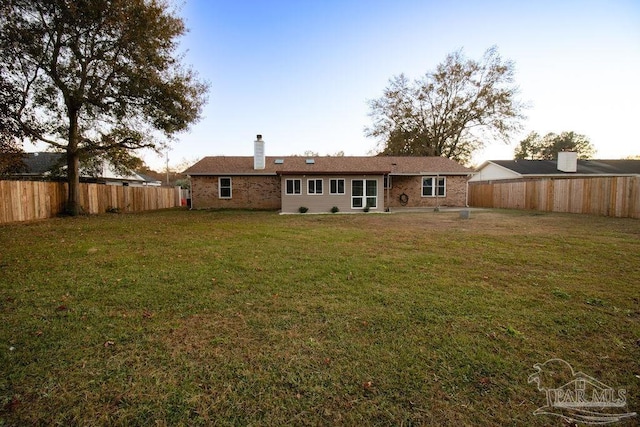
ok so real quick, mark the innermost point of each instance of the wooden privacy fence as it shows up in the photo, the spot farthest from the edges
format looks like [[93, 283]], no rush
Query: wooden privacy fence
[[610, 196], [29, 200]]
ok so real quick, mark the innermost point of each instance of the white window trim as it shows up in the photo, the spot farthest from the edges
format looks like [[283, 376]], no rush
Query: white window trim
[[365, 196], [434, 188], [220, 196], [344, 185], [315, 185], [294, 187]]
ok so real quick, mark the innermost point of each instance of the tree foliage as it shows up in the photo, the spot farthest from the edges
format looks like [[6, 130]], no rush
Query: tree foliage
[[535, 147], [96, 79], [450, 112], [11, 153]]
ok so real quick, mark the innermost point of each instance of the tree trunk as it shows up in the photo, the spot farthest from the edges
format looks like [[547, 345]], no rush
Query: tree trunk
[[73, 167]]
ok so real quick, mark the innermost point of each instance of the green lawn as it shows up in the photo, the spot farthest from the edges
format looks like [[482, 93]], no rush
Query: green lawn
[[238, 318]]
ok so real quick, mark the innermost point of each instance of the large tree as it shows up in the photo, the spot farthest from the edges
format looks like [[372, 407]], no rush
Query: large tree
[[450, 112], [11, 153], [97, 79], [535, 147]]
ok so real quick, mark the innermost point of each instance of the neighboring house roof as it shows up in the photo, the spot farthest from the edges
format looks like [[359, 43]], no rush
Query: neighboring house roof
[[518, 169], [587, 167], [149, 179], [288, 165], [43, 164]]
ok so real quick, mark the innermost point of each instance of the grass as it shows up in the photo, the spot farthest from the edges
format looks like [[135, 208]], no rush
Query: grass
[[251, 318]]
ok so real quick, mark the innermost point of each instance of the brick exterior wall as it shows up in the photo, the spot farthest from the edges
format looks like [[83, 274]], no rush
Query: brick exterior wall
[[248, 192], [456, 187], [265, 192]]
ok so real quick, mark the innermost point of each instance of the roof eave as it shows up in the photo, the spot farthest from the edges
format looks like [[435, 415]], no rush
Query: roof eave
[[293, 172], [580, 175], [231, 173], [442, 173]]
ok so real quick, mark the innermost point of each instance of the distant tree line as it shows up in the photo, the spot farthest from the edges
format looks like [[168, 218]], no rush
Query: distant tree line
[[547, 147]]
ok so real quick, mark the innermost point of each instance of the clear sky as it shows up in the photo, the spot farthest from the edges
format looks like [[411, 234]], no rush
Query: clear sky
[[300, 72]]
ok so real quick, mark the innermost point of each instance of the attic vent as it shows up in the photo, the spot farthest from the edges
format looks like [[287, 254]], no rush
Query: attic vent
[[310, 161], [278, 161]]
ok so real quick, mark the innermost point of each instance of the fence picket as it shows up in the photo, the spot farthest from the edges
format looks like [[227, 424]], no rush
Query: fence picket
[[31, 200], [609, 196]]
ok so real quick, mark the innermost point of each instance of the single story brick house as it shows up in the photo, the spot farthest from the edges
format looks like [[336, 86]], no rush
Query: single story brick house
[[351, 184]]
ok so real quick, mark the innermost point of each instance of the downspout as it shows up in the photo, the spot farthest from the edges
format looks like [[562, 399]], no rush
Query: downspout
[[437, 188], [388, 200], [466, 193], [190, 192]]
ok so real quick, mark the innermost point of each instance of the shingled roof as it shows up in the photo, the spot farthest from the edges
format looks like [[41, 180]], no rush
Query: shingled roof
[[46, 165], [288, 165], [43, 162], [584, 167]]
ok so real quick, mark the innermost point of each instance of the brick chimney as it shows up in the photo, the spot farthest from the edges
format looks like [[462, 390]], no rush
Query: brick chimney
[[258, 153]]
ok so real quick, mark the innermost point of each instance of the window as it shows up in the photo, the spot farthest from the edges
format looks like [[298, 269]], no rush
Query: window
[[224, 188], [314, 186], [364, 192], [372, 193], [433, 186], [294, 186], [337, 186]]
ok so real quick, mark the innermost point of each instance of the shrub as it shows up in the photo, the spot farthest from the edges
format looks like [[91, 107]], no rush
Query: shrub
[[334, 209], [303, 209]]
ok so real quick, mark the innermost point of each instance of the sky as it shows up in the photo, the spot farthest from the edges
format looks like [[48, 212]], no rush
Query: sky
[[300, 72]]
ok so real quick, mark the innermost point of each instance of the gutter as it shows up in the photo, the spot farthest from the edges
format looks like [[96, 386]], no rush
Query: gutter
[[557, 176], [581, 175], [232, 174], [351, 172], [431, 174]]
